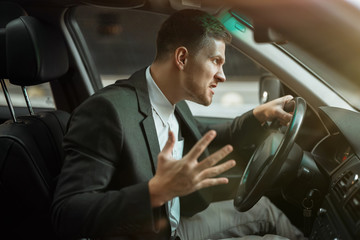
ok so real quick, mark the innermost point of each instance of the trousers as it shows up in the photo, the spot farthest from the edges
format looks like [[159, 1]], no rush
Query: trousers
[[222, 221]]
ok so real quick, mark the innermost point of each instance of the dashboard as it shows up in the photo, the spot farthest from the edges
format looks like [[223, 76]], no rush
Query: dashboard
[[337, 155]]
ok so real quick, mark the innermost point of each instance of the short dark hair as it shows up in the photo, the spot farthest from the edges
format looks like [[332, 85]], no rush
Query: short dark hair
[[190, 28]]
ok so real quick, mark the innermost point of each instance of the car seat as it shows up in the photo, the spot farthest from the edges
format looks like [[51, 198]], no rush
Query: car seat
[[31, 152]]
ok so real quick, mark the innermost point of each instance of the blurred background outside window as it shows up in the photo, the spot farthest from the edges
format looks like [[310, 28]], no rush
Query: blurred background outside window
[[123, 41]]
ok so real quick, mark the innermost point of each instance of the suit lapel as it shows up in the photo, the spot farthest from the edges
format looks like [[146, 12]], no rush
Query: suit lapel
[[188, 119], [186, 116], [152, 140], [138, 81]]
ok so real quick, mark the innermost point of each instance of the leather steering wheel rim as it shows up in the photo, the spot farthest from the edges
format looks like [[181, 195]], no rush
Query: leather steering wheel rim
[[261, 170]]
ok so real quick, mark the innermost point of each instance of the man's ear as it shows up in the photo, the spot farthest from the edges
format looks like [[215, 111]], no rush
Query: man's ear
[[181, 57]]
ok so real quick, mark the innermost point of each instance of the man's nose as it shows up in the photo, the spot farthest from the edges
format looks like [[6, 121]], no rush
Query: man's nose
[[220, 75]]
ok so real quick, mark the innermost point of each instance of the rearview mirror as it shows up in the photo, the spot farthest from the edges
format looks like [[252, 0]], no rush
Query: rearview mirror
[[270, 88]]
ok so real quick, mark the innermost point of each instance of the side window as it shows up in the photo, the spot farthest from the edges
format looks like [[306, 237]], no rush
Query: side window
[[40, 96], [123, 41], [120, 41]]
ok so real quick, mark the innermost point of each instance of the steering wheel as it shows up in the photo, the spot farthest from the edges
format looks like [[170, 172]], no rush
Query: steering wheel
[[265, 165]]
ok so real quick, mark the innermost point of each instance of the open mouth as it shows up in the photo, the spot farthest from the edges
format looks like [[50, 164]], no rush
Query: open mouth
[[212, 86]]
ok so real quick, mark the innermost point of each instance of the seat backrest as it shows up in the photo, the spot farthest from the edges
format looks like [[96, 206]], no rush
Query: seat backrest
[[31, 148]]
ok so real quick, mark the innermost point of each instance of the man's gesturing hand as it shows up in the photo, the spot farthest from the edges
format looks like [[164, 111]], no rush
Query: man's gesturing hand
[[181, 177]]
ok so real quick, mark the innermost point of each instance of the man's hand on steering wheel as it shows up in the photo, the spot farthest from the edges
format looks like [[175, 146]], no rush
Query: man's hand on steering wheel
[[278, 109]]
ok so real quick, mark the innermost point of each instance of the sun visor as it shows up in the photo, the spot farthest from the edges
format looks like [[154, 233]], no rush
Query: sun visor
[[206, 5], [114, 3]]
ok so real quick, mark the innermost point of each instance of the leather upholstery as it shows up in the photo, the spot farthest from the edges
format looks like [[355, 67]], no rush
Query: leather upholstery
[[36, 52], [8, 11], [30, 160], [30, 149]]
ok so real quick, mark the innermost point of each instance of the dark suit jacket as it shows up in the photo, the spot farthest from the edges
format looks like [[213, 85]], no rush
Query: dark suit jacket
[[111, 149]]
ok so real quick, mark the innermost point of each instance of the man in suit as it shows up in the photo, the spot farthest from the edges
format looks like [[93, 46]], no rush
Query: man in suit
[[136, 159]]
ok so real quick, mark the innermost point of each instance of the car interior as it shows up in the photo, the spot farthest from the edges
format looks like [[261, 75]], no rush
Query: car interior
[[31, 144], [315, 181]]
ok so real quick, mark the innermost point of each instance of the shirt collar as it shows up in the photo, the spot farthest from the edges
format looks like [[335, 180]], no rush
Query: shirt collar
[[158, 100]]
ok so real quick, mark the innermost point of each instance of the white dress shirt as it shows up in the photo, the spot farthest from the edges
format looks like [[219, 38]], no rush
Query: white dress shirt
[[165, 121]]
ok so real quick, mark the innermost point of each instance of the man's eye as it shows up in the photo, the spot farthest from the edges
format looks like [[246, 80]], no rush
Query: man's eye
[[215, 61]]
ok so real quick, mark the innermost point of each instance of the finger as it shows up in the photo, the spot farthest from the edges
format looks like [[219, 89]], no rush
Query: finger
[[281, 115], [201, 145], [169, 145], [214, 158], [289, 106], [211, 182], [285, 118], [285, 121], [215, 171], [288, 97]]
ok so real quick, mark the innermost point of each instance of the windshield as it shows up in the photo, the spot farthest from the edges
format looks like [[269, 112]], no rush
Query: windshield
[[349, 89], [325, 41]]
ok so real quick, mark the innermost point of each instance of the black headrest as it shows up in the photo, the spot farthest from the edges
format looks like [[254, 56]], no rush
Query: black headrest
[[36, 52], [8, 12]]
